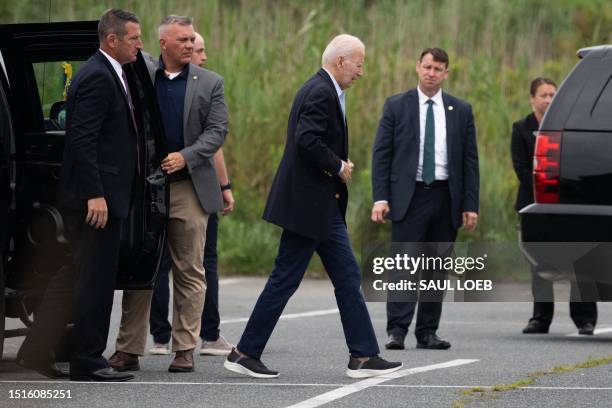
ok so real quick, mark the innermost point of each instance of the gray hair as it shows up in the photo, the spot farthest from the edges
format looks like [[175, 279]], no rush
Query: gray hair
[[113, 21], [173, 19], [342, 45]]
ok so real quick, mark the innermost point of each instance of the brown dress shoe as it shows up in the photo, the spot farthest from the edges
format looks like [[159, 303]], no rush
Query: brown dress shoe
[[183, 362], [122, 361]]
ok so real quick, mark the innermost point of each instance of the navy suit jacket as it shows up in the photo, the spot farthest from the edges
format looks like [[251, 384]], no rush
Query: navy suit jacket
[[100, 149], [395, 155], [307, 188]]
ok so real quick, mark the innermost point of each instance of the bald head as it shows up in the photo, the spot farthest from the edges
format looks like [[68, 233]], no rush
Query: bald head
[[343, 58], [199, 51]]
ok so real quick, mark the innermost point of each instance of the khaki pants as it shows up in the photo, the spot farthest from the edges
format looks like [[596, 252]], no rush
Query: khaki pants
[[186, 239]]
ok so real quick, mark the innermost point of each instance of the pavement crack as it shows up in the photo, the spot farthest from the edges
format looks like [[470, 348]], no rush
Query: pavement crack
[[493, 392]]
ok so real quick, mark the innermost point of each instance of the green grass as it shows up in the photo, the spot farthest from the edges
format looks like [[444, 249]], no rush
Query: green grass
[[266, 49], [486, 393]]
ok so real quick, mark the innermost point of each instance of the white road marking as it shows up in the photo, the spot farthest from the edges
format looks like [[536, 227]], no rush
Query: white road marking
[[275, 384], [230, 281], [233, 384], [370, 382], [569, 388], [289, 315], [595, 332]]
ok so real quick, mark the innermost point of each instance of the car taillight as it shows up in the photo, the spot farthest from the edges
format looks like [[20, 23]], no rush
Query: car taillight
[[546, 167]]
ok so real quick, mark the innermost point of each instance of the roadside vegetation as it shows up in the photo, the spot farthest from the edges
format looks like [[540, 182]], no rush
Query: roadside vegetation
[[266, 49]]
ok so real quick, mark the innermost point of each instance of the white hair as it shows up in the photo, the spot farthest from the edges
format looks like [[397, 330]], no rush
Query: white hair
[[342, 45]]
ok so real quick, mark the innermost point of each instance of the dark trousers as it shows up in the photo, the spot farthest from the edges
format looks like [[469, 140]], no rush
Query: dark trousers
[[428, 219], [94, 268], [294, 254], [55, 308], [580, 312], [159, 325], [97, 260]]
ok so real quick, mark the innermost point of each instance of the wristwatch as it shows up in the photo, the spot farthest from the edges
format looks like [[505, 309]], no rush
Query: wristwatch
[[227, 186]]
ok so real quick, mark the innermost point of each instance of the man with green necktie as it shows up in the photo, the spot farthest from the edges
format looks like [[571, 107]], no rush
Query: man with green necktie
[[425, 179]]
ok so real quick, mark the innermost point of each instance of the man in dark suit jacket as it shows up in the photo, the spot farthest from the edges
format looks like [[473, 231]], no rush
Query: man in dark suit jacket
[[100, 161], [425, 179], [584, 314], [308, 200]]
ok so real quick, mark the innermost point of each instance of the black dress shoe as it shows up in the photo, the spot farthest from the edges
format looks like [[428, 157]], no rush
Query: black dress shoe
[[535, 326], [432, 342], [395, 342], [48, 370], [586, 329], [104, 374]]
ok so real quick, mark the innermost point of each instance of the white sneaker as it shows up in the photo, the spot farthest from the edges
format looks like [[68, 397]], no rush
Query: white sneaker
[[160, 349], [219, 347]]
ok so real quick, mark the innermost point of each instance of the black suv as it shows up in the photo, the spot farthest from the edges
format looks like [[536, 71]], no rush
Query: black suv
[[567, 233], [37, 63]]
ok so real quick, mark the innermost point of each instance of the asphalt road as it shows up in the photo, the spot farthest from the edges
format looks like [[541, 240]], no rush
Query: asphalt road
[[308, 349]]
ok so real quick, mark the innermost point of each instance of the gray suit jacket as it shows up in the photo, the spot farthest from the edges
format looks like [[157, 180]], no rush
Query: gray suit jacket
[[204, 129]]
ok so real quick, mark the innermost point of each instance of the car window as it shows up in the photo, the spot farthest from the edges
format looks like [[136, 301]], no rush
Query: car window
[[590, 103], [52, 81], [603, 106]]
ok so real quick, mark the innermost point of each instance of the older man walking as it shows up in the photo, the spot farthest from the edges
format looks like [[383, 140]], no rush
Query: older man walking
[[308, 200]]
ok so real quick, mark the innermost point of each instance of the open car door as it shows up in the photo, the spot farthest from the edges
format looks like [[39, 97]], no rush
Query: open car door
[[40, 59]]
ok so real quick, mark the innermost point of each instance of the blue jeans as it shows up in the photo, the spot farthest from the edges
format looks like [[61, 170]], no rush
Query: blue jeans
[[158, 320], [294, 254]]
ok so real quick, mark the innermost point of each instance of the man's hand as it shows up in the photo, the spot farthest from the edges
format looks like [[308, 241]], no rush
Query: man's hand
[[379, 211], [173, 163], [346, 173], [228, 199], [470, 219], [97, 212]]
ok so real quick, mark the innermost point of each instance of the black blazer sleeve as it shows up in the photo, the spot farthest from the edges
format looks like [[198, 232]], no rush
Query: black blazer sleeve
[[312, 126], [94, 95], [521, 157], [471, 176]]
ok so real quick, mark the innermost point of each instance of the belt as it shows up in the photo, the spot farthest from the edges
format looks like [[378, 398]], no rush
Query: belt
[[433, 184]]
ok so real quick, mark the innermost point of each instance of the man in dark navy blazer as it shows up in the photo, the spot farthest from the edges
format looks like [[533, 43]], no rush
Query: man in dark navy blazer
[[425, 179], [308, 200], [100, 162]]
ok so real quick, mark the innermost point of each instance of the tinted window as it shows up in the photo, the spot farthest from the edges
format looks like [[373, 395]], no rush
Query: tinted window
[[603, 105], [590, 108]]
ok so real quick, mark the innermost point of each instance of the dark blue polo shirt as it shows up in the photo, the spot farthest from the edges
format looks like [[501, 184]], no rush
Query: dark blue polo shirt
[[171, 100]]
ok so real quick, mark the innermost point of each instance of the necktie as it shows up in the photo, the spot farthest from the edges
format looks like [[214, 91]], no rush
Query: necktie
[[129, 98], [429, 149]]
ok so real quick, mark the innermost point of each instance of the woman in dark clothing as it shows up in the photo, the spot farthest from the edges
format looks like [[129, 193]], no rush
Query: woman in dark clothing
[[584, 314]]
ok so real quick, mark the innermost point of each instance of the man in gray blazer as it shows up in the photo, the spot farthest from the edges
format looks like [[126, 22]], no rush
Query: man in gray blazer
[[195, 120]]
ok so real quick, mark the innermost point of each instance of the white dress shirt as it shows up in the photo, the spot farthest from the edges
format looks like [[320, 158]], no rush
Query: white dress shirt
[[117, 67], [441, 171]]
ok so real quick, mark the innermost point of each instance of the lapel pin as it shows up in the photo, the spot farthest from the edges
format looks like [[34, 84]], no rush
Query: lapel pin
[[195, 77], [450, 107]]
